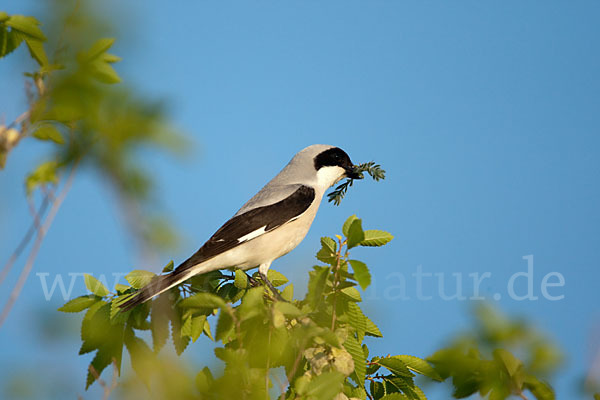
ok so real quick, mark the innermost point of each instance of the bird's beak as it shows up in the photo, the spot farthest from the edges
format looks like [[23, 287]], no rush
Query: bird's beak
[[353, 173]]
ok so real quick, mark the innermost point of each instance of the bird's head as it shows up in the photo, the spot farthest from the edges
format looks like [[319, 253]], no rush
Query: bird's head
[[330, 164]]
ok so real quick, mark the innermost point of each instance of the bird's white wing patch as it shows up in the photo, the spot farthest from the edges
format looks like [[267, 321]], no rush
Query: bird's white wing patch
[[252, 234]]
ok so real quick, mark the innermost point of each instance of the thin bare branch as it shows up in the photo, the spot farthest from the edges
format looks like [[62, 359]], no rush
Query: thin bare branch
[[23, 244], [41, 233]]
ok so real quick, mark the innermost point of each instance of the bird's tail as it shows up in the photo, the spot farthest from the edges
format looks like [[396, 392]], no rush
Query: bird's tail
[[158, 285]]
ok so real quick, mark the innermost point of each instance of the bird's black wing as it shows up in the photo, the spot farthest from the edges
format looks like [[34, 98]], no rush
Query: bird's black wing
[[251, 224]]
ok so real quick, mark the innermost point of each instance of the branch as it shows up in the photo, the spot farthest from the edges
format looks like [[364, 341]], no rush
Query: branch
[[35, 225], [107, 389], [41, 233]]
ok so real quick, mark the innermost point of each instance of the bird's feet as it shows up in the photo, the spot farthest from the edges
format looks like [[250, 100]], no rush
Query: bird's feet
[[267, 282]]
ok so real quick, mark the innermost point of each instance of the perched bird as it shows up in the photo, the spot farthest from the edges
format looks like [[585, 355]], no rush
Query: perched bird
[[269, 225]]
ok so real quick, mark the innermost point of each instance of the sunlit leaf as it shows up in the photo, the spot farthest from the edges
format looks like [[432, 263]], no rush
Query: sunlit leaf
[[95, 286]]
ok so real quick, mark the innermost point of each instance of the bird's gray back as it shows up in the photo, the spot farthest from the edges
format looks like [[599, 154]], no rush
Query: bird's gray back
[[299, 171]]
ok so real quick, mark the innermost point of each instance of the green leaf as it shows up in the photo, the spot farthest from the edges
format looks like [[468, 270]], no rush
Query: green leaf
[[376, 389], [186, 327], [316, 285], [95, 286], [203, 300], [358, 355], [372, 329], [224, 326], [395, 366], [9, 41], [542, 390], [288, 292], [139, 278], [352, 293], [510, 362], [140, 355], [419, 366], [98, 48], [355, 233], [241, 279], [43, 174], [327, 254], [105, 73], [276, 278], [197, 326], [3, 16], [252, 303], [36, 50], [287, 309], [394, 396], [204, 380], [120, 288], [325, 386], [27, 25], [180, 342], [169, 267], [375, 238], [159, 321], [79, 304], [347, 223], [357, 320], [361, 273]]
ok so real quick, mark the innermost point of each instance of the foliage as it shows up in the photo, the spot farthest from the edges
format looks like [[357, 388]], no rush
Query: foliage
[[314, 348], [485, 360], [76, 108]]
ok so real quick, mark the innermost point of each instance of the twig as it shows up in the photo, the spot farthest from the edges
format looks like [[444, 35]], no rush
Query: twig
[[34, 226], [41, 233], [107, 389], [338, 256], [295, 366]]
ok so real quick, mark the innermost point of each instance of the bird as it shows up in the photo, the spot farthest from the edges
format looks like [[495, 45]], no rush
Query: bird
[[268, 226]]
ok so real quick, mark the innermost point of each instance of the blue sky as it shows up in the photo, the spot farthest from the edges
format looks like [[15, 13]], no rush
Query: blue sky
[[484, 114]]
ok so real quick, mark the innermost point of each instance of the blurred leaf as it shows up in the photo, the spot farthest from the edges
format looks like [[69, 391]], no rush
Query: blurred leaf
[[159, 321], [27, 25], [288, 292], [224, 325], [325, 386], [541, 390], [204, 380], [316, 285], [36, 49], [180, 342], [97, 49], [9, 41], [276, 278], [43, 174], [203, 300]]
